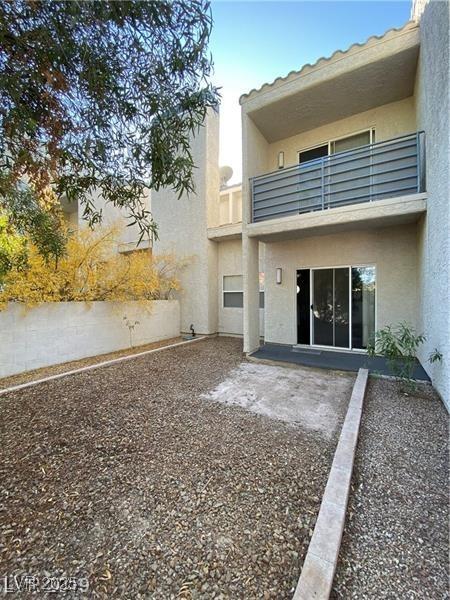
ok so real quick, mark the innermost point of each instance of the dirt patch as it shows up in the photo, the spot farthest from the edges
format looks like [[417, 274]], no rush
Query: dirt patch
[[311, 398], [35, 374], [126, 476], [395, 543]]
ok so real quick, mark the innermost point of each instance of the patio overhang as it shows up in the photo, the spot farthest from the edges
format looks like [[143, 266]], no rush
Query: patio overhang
[[382, 213], [378, 72]]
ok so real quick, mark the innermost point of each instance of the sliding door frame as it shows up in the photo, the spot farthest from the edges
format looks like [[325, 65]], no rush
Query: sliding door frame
[[350, 347]]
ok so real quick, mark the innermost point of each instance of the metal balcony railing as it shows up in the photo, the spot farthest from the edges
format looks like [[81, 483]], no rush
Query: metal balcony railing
[[383, 170]]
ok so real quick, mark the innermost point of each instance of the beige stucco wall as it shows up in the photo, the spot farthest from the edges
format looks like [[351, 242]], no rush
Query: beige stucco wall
[[183, 224], [230, 263], [433, 108], [393, 250], [389, 121], [112, 215], [254, 162]]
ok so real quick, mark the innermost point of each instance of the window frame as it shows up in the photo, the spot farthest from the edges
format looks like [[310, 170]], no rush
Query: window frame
[[372, 137], [224, 291]]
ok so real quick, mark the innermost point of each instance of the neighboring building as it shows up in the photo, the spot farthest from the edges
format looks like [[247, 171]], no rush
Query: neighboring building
[[129, 235]]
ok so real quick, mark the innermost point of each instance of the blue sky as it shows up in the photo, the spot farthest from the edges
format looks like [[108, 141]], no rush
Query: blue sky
[[254, 42]]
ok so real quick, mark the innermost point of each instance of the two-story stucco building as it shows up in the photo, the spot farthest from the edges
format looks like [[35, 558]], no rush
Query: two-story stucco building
[[344, 204]]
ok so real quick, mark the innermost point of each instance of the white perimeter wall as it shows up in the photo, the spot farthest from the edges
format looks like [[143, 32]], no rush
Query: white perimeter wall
[[54, 333]]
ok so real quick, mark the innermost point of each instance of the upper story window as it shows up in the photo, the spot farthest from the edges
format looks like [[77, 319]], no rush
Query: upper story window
[[313, 153], [343, 144], [352, 141]]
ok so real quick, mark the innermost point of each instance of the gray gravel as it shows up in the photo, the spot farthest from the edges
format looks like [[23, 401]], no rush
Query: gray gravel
[[395, 543], [126, 476]]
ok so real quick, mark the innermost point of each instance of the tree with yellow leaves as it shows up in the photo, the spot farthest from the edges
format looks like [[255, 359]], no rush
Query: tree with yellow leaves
[[91, 269]]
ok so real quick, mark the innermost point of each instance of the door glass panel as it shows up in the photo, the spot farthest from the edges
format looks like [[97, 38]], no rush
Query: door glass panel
[[341, 307], [349, 181], [313, 154], [363, 306], [323, 307], [353, 141], [232, 283]]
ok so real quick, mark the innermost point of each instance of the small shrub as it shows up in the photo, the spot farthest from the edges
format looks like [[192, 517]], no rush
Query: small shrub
[[399, 345], [131, 326]]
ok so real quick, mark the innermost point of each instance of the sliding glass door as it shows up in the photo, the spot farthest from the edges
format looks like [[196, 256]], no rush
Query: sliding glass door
[[336, 306], [330, 306], [363, 306]]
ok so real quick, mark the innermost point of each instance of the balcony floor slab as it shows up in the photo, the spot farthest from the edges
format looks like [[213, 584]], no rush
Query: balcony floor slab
[[379, 213]]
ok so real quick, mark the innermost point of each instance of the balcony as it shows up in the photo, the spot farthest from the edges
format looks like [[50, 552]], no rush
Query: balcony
[[379, 171]]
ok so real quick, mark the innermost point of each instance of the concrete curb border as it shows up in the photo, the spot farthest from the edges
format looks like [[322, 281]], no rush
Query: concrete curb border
[[316, 578], [98, 365]]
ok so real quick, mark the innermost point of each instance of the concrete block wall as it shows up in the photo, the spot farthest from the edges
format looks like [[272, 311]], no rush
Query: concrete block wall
[[54, 333]]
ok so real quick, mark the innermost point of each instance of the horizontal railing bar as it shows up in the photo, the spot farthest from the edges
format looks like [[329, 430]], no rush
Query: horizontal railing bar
[[370, 163], [330, 203], [367, 151], [373, 173], [369, 184], [329, 183], [284, 195], [370, 158], [353, 152], [288, 185], [354, 168], [373, 163], [279, 212], [297, 202], [386, 193], [273, 201], [286, 173]]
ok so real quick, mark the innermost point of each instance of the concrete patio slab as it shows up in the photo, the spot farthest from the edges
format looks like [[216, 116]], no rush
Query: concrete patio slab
[[307, 397], [330, 359]]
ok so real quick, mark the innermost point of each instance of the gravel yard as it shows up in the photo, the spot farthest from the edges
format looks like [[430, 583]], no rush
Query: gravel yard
[[395, 543], [129, 476]]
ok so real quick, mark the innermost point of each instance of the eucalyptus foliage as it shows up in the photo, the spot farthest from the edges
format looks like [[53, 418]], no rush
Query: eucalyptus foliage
[[99, 97]]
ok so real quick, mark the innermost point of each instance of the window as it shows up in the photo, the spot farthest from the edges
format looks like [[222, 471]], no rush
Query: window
[[352, 141], [349, 142], [233, 295], [261, 290], [313, 153]]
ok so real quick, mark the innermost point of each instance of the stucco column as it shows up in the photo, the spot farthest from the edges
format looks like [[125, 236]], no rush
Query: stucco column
[[250, 270]]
